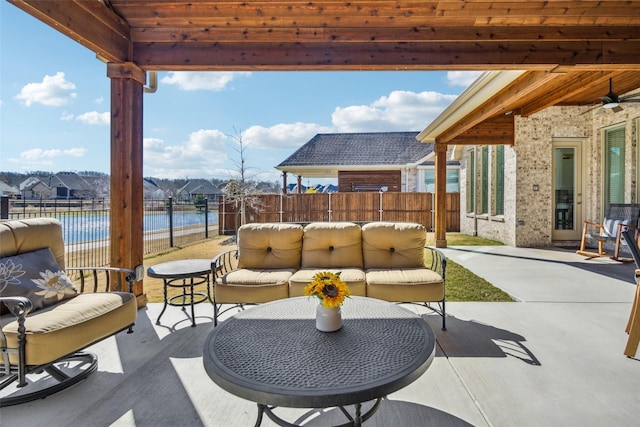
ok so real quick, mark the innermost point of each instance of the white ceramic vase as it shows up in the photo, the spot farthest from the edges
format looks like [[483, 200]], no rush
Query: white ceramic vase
[[328, 319]]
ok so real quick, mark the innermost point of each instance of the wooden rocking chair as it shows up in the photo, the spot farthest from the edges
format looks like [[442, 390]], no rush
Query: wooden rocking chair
[[608, 234]]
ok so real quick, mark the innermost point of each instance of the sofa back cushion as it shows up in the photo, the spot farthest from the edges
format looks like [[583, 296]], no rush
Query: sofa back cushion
[[332, 245], [393, 245], [269, 246], [28, 235]]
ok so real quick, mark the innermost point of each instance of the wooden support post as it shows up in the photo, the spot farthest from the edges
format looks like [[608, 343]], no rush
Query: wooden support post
[[284, 183], [299, 184], [127, 220], [441, 195]]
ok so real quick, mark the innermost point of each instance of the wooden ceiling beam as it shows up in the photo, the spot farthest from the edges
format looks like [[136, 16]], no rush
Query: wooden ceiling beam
[[427, 56], [499, 130], [515, 11], [568, 86], [87, 22], [262, 34], [498, 104]]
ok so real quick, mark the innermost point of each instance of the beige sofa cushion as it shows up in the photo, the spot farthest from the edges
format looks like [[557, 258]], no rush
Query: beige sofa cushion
[[393, 245], [28, 235], [250, 294], [71, 325], [269, 246], [331, 245], [407, 292], [353, 277], [256, 276]]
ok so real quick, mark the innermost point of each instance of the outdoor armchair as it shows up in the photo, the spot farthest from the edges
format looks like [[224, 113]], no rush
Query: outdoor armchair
[[46, 318], [607, 235]]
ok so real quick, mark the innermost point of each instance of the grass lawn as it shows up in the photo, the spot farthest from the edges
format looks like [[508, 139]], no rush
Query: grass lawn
[[462, 284]]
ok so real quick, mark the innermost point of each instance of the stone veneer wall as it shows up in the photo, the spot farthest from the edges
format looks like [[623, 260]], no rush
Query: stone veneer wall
[[534, 138], [528, 214]]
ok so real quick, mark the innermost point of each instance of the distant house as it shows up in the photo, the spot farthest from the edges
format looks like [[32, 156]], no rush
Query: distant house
[[198, 187], [379, 161], [69, 185], [100, 185], [151, 190], [7, 190], [34, 188]]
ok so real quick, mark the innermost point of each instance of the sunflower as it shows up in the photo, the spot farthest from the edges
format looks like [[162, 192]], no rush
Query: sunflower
[[329, 288]]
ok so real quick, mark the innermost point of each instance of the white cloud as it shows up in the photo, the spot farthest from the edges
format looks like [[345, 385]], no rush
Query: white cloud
[[201, 155], [462, 78], [99, 100], [399, 111], [76, 152], [38, 155], [281, 136], [207, 80], [66, 116], [94, 118], [53, 91]]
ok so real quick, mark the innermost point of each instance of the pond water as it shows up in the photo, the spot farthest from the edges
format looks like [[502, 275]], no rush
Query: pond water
[[89, 227]]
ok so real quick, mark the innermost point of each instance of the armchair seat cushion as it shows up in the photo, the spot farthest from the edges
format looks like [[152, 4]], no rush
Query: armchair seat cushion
[[353, 277], [71, 325]]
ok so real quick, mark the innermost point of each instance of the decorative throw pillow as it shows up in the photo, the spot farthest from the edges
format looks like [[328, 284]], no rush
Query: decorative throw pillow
[[37, 276]]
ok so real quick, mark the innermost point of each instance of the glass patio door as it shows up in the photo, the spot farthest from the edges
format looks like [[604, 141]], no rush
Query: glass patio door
[[567, 191]]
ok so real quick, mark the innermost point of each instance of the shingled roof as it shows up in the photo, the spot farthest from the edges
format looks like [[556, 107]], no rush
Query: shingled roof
[[359, 149]]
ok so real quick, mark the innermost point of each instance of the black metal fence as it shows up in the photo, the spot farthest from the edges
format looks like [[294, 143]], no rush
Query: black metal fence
[[85, 224]]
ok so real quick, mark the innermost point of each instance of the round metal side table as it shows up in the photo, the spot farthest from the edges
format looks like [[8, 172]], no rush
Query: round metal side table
[[185, 274]]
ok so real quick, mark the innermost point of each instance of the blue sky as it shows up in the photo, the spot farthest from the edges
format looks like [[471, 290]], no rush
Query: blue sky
[[54, 109]]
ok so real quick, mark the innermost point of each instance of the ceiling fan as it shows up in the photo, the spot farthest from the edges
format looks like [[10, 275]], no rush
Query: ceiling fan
[[612, 101]]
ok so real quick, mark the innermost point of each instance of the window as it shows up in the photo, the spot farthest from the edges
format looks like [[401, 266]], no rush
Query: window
[[614, 167], [453, 182], [498, 181], [484, 180], [471, 181]]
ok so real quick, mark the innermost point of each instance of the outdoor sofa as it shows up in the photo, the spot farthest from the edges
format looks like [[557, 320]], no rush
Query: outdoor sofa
[[384, 260], [46, 318]]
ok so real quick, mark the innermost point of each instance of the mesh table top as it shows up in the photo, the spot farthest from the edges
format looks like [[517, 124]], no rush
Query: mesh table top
[[273, 354]]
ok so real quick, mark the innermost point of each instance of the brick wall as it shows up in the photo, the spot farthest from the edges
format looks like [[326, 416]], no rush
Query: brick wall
[[528, 212]]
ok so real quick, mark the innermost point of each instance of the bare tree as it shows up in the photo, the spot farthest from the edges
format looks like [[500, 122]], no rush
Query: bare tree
[[241, 189]]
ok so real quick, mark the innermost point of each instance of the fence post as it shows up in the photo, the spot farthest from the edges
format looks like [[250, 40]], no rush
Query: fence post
[[4, 207], [206, 217], [170, 213]]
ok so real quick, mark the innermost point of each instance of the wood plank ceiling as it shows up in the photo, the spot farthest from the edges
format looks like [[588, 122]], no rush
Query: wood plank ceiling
[[570, 49]]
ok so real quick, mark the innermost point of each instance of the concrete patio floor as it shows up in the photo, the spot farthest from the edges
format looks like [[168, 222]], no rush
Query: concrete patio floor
[[552, 359]]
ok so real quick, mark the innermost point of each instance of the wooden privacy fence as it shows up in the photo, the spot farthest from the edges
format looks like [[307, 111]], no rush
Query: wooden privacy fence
[[355, 207]]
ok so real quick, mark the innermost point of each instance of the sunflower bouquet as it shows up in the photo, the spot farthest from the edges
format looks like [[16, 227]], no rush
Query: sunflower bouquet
[[329, 288]]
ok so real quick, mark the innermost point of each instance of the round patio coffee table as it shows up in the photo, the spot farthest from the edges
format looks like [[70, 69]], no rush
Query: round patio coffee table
[[184, 274], [273, 354]]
